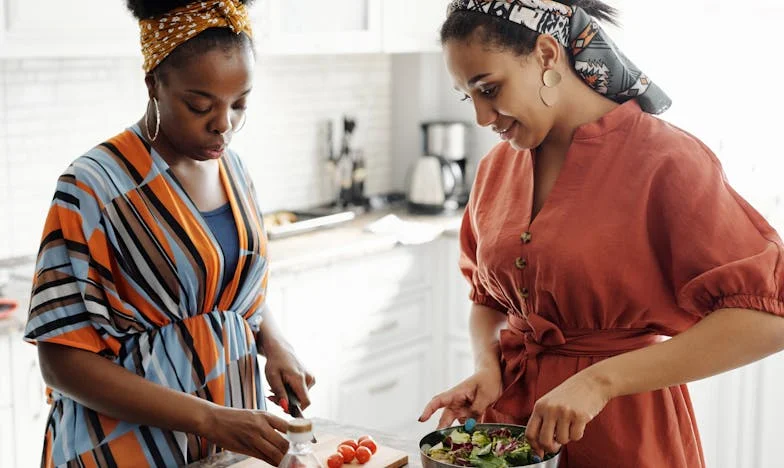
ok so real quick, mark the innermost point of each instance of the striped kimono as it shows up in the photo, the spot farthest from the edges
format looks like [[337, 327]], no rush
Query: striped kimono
[[129, 269]]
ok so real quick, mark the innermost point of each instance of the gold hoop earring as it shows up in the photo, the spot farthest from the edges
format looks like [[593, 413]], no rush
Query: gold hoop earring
[[242, 125], [157, 120], [548, 93]]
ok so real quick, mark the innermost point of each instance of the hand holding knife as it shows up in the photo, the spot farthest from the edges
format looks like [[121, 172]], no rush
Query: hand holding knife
[[294, 409]]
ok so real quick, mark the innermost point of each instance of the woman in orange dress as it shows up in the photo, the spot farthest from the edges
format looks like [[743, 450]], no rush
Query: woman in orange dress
[[148, 303], [594, 231]]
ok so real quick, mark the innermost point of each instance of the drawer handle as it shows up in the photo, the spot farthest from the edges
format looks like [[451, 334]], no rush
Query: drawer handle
[[387, 327], [385, 387]]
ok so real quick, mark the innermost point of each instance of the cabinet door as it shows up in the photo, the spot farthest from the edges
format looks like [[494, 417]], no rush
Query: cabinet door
[[413, 25], [457, 290], [318, 27], [7, 439], [312, 326], [30, 409], [5, 372], [52, 28], [387, 394]]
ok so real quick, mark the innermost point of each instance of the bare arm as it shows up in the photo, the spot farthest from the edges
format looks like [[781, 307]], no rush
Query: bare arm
[[485, 325], [109, 389], [722, 341]]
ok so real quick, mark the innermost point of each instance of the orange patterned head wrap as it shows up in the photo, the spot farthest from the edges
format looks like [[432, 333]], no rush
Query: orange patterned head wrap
[[162, 34]]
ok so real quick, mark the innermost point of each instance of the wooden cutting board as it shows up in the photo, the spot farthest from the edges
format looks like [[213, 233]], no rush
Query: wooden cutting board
[[384, 457]]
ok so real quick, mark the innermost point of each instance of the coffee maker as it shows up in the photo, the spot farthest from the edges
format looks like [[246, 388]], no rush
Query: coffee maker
[[438, 179]]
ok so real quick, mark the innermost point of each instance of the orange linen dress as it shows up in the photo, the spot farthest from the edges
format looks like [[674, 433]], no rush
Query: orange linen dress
[[640, 238]]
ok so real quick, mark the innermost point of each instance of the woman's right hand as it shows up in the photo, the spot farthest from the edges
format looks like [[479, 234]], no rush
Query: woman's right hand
[[468, 399], [249, 432]]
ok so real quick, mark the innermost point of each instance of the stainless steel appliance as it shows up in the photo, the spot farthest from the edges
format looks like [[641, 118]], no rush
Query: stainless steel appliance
[[438, 179]]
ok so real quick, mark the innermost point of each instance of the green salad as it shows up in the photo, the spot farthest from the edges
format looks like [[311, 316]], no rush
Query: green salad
[[496, 448]]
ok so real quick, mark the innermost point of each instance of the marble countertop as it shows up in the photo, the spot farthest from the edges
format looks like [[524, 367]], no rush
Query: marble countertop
[[352, 239], [405, 443]]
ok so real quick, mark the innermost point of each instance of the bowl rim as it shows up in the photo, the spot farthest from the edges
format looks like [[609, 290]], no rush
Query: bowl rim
[[478, 425]]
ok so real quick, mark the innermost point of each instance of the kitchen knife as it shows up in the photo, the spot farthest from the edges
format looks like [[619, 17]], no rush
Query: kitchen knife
[[294, 409]]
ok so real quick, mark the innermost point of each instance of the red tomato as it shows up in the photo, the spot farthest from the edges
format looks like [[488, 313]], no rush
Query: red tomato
[[350, 443], [364, 437], [335, 461], [348, 453], [363, 454], [369, 444]]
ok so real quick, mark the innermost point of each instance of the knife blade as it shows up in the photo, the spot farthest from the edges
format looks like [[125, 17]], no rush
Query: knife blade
[[294, 408]]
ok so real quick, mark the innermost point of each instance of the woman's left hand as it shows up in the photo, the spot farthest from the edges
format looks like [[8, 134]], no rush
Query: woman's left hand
[[561, 415], [283, 366]]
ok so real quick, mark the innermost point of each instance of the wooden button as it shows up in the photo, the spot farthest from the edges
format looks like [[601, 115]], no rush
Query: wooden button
[[525, 237], [521, 263], [524, 293]]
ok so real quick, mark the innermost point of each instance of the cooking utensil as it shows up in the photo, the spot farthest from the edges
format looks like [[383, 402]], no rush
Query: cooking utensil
[[294, 408], [433, 438]]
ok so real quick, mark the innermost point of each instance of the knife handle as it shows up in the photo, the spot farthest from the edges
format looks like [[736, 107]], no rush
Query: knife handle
[[293, 400]]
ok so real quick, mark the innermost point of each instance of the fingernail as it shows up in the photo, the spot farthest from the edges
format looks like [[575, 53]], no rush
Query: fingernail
[[536, 459], [284, 403]]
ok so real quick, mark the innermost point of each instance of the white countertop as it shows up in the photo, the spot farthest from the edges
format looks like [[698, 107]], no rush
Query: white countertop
[[352, 240]]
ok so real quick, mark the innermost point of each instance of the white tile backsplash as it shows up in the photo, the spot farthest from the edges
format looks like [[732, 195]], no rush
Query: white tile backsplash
[[53, 110]]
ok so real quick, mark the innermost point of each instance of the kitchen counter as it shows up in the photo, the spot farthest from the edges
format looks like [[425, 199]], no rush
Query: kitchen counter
[[408, 443], [352, 240]]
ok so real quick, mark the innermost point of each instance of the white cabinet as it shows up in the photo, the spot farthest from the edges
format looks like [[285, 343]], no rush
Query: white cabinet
[[386, 393], [5, 372], [366, 329], [6, 439], [30, 409], [317, 27], [53, 28], [413, 25]]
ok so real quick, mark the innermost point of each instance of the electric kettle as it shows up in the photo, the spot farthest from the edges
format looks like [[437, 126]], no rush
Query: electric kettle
[[432, 182]]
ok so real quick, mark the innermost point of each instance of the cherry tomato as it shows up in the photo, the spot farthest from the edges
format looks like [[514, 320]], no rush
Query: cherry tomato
[[350, 443], [364, 437], [369, 444], [347, 452], [363, 454], [335, 461]]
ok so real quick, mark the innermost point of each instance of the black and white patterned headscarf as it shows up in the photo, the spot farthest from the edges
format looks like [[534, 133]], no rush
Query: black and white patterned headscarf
[[596, 57]]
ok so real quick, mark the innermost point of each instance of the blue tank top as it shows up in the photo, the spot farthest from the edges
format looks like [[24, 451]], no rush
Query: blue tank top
[[223, 227]]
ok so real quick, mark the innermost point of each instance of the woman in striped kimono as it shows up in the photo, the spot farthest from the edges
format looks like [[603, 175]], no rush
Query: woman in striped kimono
[[148, 306]]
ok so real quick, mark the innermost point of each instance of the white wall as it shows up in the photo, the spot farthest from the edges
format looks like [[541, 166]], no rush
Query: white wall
[[52, 111]]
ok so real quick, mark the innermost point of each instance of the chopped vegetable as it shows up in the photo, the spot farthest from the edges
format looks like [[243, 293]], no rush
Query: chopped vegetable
[[497, 448]]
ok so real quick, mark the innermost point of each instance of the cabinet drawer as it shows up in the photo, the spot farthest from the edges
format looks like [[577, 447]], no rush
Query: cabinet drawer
[[400, 268], [406, 318], [387, 395]]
